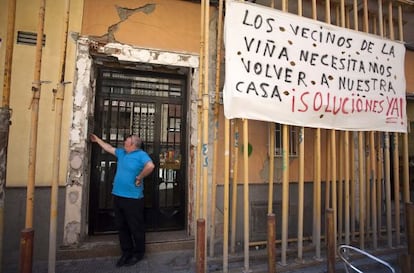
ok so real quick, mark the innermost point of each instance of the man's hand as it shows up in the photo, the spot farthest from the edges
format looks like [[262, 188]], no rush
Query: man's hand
[[106, 146], [138, 181]]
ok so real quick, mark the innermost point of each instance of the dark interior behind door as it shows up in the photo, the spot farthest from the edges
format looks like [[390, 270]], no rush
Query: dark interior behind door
[[151, 105]]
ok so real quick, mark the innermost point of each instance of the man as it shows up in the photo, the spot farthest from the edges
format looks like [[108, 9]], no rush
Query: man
[[133, 164]]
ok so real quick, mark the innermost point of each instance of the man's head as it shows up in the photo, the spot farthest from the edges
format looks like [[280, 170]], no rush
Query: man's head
[[132, 143]]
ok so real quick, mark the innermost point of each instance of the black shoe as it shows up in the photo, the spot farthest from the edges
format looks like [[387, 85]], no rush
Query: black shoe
[[133, 260], [123, 260]]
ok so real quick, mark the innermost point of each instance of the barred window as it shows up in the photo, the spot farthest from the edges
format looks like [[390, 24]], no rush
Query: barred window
[[293, 140]]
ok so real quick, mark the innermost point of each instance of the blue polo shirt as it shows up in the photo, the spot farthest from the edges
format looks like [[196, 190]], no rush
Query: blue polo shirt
[[129, 165]]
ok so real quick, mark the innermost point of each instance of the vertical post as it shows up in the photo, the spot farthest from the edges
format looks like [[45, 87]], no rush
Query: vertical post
[[334, 199], [226, 195], [340, 179], [362, 175], [387, 173], [317, 177], [373, 190], [352, 187], [285, 193], [396, 164], [409, 216], [216, 125], [406, 260], [271, 238], [26, 252], [60, 95], [330, 240], [301, 190], [198, 189], [347, 205], [201, 246], [317, 194], [271, 127], [5, 113], [36, 88], [361, 190], [246, 193], [406, 161], [234, 188]]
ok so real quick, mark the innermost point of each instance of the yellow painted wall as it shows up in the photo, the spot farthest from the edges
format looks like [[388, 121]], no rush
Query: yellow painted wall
[[21, 83], [171, 25]]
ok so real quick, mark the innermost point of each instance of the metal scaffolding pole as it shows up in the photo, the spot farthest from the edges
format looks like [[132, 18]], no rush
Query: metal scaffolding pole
[[5, 113], [59, 96], [27, 246]]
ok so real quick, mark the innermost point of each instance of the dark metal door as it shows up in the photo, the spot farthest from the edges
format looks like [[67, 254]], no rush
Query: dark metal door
[[151, 105]]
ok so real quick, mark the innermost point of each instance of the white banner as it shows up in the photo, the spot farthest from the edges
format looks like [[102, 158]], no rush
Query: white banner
[[292, 70]]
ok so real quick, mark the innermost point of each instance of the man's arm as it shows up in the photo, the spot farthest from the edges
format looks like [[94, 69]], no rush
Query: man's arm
[[148, 168], [106, 146]]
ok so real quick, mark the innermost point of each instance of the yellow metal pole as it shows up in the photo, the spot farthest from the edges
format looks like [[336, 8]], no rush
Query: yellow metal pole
[[361, 190], [328, 171], [285, 193], [334, 182], [216, 125], [8, 60], [396, 165], [380, 161], [235, 158], [60, 96], [387, 173], [226, 195], [198, 188], [340, 211], [317, 178], [246, 192], [352, 186], [301, 191], [343, 180], [199, 117], [367, 186], [373, 190], [206, 103], [301, 182], [406, 168], [5, 113], [396, 160], [347, 193], [285, 182], [317, 195], [35, 118], [36, 89], [381, 138], [353, 178], [271, 127]]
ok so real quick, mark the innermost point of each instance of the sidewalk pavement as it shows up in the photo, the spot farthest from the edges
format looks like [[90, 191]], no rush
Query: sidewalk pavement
[[183, 262], [168, 261]]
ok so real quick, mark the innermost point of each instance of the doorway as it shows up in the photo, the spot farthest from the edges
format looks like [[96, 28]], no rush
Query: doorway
[[152, 105]]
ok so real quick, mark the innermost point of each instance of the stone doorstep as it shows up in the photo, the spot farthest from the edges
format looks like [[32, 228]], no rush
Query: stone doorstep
[[110, 247]]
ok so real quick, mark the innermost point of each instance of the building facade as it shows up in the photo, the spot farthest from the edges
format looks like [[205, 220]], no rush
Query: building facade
[[136, 67]]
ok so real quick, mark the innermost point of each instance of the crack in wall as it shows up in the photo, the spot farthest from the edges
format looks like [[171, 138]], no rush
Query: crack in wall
[[124, 14]]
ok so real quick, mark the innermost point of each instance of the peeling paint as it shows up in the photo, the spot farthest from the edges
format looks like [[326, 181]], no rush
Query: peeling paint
[[72, 233], [134, 54]]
